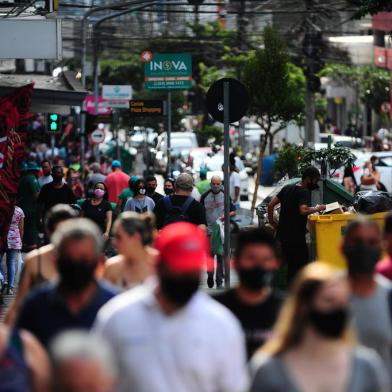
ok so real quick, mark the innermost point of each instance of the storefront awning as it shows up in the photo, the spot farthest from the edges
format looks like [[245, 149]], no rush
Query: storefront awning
[[51, 94]]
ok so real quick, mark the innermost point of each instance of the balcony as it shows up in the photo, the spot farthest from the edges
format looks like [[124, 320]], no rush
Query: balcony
[[382, 21]]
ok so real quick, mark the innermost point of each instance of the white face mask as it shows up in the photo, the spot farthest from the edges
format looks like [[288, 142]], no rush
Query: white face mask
[[142, 191]]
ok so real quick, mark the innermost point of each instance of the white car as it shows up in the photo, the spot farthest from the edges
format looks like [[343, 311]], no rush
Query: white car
[[214, 166], [182, 143]]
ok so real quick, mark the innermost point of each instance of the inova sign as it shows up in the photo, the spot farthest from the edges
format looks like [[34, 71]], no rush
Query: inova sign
[[168, 71]]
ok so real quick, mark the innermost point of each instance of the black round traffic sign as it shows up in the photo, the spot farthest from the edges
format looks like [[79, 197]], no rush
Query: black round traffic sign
[[238, 100]]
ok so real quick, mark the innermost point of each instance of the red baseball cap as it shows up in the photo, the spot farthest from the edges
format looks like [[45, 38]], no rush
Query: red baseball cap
[[183, 247]]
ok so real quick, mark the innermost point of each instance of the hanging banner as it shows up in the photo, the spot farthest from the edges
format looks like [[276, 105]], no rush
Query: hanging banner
[[14, 115]]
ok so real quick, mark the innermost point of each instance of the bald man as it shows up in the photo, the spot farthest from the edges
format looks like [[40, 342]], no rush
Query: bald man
[[214, 203]]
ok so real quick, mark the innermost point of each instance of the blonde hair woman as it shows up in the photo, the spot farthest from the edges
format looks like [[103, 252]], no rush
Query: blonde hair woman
[[313, 348], [133, 237]]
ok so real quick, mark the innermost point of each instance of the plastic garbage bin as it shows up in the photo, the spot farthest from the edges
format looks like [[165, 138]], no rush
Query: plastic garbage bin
[[326, 235]]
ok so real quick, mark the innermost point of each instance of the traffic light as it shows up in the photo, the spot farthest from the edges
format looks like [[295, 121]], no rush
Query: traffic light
[[54, 122]]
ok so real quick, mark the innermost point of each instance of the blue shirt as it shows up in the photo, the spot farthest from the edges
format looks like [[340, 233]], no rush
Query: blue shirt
[[45, 313]]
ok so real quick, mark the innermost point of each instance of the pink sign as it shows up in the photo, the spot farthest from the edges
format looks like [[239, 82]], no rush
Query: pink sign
[[89, 105]]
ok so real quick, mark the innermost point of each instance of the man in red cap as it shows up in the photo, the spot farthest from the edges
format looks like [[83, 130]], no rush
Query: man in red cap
[[169, 336]]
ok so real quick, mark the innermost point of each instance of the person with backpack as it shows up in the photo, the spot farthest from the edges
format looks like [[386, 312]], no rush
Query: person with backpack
[[180, 207]]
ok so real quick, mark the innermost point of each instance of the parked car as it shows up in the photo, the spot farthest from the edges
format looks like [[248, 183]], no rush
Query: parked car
[[342, 141], [214, 166], [182, 143]]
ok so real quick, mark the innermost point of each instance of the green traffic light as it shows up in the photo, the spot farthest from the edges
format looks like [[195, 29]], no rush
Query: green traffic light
[[53, 126], [54, 117]]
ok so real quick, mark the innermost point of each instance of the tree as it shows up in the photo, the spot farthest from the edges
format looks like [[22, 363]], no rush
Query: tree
[[276, 89], [370, 82], [370, 7]]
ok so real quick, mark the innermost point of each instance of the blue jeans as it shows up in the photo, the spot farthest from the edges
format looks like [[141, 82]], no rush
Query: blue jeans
[[12, 258]]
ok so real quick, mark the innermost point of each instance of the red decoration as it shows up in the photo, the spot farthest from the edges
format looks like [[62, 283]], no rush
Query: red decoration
[[14, 116]]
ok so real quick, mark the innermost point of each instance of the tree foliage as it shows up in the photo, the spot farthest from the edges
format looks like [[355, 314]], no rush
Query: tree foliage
[[292, 159], [372, 83], [370, 7], [276, 89]]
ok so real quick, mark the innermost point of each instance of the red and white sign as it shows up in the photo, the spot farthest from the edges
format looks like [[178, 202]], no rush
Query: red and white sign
[[146, 56], [89, 106], [97, 136]]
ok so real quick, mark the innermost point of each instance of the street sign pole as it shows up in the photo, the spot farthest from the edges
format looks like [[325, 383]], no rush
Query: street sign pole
[[52, 144], [169, 126], [226, 139]]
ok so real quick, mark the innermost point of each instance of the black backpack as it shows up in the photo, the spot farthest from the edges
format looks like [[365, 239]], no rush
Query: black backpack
[[176, 213]]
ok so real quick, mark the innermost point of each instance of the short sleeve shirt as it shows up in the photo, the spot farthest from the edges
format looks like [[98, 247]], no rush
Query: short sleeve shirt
[[214, 204], [292, 225], [125, 195], [116, 182], [140, 206], [235, 182], [13, 239], [97, 213]]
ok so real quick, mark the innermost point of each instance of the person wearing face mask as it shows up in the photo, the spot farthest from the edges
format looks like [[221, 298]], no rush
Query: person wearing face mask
[[169, 186], [214, 203], [74, 300], [312, 347], [295, 201], [370, 298], [99, 210], [151, 186], [56, 192], [140, 203], [169, 336], [253, 301]]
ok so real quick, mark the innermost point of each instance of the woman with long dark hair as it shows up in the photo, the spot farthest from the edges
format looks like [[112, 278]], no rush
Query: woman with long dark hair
[[312, 348], [99, 210], [140, 202]]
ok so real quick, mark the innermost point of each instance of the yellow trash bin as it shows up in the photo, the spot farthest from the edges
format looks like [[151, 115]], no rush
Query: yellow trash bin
[[327, 232]]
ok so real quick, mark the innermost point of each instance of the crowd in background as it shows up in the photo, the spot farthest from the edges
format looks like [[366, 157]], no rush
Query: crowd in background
[[137, 320]]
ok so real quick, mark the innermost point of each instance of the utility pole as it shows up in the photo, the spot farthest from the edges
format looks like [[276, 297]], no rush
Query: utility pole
[[311, 48]]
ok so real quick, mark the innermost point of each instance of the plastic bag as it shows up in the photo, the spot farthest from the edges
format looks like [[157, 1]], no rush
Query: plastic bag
[[371, 202]]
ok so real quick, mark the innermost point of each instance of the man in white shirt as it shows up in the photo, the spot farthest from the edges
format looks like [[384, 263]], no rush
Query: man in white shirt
[[46, 178], [167, 335], [235, 186]]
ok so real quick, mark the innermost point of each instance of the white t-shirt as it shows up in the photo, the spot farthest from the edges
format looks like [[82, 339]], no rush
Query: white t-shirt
[[200, 348], [43, 180], [235, 181]]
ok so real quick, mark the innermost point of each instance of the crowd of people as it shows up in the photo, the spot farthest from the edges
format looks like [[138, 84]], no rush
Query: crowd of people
[[140, 321]]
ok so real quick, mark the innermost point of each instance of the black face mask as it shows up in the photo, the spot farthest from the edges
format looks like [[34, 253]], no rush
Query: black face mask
[[150, 190], [179, 290], [255, 278], [168, 191], [76, 276], [329, 324], [361, 259]]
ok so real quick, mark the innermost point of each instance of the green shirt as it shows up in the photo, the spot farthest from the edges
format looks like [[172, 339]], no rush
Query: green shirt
[[124, 196], [28, 186], [203, 186]]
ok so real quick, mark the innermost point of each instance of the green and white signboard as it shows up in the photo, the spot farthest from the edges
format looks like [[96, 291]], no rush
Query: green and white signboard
[[167, 71]]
